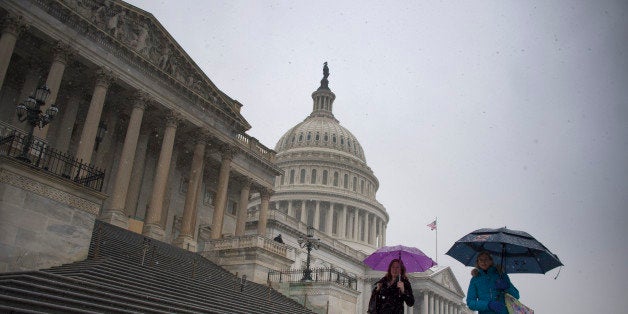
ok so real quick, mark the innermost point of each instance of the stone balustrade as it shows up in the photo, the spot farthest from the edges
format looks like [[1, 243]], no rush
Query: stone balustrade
[[251, 241]]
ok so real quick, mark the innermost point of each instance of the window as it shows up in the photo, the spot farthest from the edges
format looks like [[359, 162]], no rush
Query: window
[[309, 136], [333, 138], [335, 178], [324, 177], [232, 207], [313, 179], [292, 176], [317, 136], [302, 176], [355, 183], [362, 186], [300, 137], [346, 181], [326, 138], [208, 197]]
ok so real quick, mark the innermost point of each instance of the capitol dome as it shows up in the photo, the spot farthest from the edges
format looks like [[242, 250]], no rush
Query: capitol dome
[[321, 131], [327, 183]]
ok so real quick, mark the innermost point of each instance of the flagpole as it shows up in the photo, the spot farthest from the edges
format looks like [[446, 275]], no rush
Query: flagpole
[[436, 220]]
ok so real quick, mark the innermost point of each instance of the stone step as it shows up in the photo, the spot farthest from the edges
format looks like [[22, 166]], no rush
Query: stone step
[[49, 283], [46, 299]]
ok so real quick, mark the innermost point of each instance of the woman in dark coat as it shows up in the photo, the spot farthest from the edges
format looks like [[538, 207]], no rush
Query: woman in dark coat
[[393, 290]]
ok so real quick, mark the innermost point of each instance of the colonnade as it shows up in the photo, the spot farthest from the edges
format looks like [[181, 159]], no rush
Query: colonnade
[[337, 220], [433, 303], [126, 176]]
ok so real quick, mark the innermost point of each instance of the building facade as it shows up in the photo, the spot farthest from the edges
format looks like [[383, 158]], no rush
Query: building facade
[[173, 148], [144, 140]]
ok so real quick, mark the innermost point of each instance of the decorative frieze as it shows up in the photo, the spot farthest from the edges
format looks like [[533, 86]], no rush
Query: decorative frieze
[[48, 191]]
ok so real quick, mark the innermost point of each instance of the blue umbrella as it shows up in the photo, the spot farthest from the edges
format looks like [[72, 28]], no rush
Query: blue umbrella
[[518, 251]]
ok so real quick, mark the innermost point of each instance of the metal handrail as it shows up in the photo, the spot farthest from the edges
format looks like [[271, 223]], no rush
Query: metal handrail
[[42, 156], [323, 275]]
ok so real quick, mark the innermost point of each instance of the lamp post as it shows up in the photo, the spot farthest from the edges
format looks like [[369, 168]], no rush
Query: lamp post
[[309, 242], [30, 111]]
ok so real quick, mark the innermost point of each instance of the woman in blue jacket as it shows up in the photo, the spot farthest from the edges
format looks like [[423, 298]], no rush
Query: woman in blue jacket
[[487, 287]]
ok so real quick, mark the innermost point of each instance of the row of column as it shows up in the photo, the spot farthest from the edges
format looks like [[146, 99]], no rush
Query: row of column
[[118, 210], [432, 303], [351, 224]]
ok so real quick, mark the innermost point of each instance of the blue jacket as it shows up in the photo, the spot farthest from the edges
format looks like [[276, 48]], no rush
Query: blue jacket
[[482, 290]]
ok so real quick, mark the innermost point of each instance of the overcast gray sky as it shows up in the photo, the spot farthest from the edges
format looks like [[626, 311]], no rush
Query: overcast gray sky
[[480, 113]]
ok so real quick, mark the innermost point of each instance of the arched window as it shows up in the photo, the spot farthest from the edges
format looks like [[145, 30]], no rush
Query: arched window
[[362, 186], [324, 177], [302, 176], [292, 176], [325, 138], [333, 138], [345, 182], [309, 136], [300, 137], [313, 179], [355, 183], [317, 136], [335, 178], [349, 143], [342, 140]]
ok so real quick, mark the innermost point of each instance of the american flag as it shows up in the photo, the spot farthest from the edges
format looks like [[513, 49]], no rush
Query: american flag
[[432, 225]]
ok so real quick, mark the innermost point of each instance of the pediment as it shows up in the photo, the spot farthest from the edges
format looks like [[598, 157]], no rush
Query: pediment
[[141, 34], [447, 279]]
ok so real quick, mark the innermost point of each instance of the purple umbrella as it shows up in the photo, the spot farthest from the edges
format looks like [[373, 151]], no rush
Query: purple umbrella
[[412, 258]]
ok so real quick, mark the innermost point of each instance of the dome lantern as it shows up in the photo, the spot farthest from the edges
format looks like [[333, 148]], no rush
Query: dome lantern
[[323, 97]]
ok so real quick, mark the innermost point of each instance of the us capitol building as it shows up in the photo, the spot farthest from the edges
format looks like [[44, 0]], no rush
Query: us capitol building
[[140, 138]]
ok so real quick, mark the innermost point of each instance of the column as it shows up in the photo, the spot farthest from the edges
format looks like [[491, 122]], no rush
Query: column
[[186, 240], [432, 305], [367, 227], [303, 212], [440, 306], [66, 126], [88, 136], [31, 80], [317, 216], [12, 26], [221, 194], [263, 212], [135, 186], [329, 219], [152, 227], [244, 205], [62, 53], [290, 209], [356, 226], [342, 224], [425, 303], [374, 231], [116, 214], [384, 234]]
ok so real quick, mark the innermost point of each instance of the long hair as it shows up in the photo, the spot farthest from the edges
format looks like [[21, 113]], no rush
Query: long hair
[[401, 266]]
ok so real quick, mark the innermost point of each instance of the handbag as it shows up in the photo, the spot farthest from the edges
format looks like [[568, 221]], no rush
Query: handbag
[[515, 307], [373, 302]]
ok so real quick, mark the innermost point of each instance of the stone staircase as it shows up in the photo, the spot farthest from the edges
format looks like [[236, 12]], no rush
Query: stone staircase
[[128, 273]]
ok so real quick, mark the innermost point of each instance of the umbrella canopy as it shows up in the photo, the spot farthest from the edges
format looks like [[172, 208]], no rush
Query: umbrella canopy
[[518, 251], [413, 259]]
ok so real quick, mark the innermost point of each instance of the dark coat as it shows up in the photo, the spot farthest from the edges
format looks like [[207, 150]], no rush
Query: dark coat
[[389, 298]]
